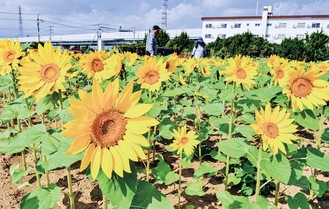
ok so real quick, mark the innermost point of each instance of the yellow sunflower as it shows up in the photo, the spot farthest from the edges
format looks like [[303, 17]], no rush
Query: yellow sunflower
[[152, 74], [204, 66], [110, 126], [129, 59], [275, 128], [96, 65], [184, 141], [306, 88], [172, 63], [182, 81], [10, 52], [189, 65], [241, 70], [45, 73], [279, 71]]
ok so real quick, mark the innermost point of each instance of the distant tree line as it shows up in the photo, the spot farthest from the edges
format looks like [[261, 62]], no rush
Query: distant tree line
[[314, 47]]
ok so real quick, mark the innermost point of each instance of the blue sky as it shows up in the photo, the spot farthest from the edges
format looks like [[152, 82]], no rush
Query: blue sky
[[85, 16]]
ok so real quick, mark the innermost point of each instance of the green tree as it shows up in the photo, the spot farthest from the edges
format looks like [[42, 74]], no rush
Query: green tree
[[163, 38], [181, 43], [292, 49], [316, 47]]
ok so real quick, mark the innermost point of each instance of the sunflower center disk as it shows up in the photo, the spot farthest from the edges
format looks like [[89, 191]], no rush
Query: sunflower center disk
[[108, 128], [151, 77], [167, 65], [10, 56], [97, 65], [50, 73], [271, 130], [240, 73], [301, 87], [280, 73], [184, 140]]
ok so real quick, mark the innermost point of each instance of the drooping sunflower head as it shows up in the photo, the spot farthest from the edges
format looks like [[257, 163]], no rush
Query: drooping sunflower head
[[306, 89], [172, 63], [275, 128], [110, 126], [44, 73], [241, 70], [95, 65], [184, 141], [189, 65], [152, 74], [10, 52]]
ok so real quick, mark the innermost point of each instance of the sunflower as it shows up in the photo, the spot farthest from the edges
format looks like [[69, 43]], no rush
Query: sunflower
[[152, 74], [306, 88], [182, 81], [45, 73], [279, 71], [172, 63], [241, 70], [184, 141], [110, 126], [189, 65], [129, 59], [10, 52], [275, 128], [96, 64], [204, 66]]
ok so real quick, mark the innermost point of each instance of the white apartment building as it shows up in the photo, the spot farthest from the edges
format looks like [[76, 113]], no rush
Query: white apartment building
[[273, 28]]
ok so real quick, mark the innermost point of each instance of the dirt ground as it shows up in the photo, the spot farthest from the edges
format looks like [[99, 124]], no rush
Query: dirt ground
[[89, 195]]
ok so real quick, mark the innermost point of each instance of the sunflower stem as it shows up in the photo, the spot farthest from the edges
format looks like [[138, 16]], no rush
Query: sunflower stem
[[230, 130], [105, 203], [69, 184], [46, 172], [258, 172], [277, 193], [180, 178], [14, 84], [34, 149]]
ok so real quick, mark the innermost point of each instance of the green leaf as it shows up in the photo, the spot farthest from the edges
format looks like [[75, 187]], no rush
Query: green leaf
[[306, 118], [235, 202], [317, 159], [161, 170], [213, 109], [299, 201], [17, 174], [319, 187], [203, 169], [263, 94], [278, 168], [232, 179], [194, 188], [165, 128], [42, 198], [235, 147], [325, 135], [171, 177], [217, 155], [246, 130], [188, 111], [60, 159], [173, 92], [15, 110], [46, 103]]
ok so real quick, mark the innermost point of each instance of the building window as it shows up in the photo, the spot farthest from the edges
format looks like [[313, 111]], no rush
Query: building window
[[222, 36], [269, 24], [328, 26], [224, 25], [257, 24], [300, 36], [247, 24], [300, 25], [208, 25], [237, 25], [207, 36], [282, 25], [315, 25], [281, 36], [267, 35]]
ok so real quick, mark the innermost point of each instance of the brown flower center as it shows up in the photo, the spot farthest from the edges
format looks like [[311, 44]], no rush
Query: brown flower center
[[50, 73], [108, 128], [151, 77], [97, 65], [167, 65], [240, 73], [10, 56], [270, 129], [301, 87], [279, 73], [184, 140]]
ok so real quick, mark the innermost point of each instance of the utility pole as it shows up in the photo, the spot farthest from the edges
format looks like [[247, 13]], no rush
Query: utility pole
[[164, 14], [38, 25], [50, 30], [20, 21]]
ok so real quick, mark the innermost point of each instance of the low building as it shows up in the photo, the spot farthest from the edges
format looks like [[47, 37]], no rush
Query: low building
[[273, 28]]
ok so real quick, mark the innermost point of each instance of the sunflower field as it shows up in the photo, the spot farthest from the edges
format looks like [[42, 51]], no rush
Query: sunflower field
[[164, 132]]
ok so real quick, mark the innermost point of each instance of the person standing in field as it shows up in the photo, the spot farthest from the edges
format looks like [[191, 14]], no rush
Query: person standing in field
[[151, 43], [199, 49]]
